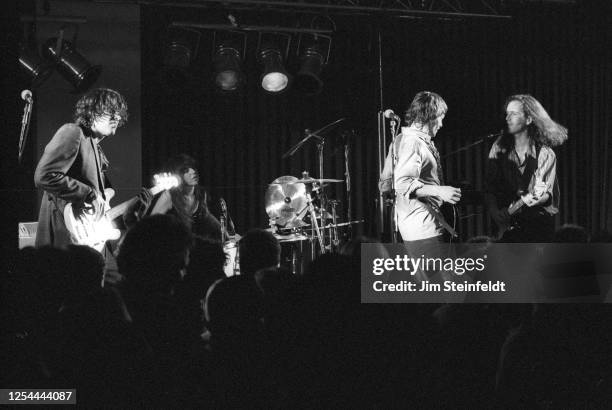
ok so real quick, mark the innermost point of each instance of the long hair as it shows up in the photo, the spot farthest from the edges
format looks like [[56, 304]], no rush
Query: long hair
[[543, 129], [426, 106], [178, 165], [98, 102]]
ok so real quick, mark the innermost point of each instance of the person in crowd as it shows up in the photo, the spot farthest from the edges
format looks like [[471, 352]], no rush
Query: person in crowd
[[258, 249]]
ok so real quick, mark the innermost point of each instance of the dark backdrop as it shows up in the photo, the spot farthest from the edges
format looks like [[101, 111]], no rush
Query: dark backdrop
[[560, 55]]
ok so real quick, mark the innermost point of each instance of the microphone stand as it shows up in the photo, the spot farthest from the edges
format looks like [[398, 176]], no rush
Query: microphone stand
[[473, 144], [456, 212], [394, 227], [25, 127]]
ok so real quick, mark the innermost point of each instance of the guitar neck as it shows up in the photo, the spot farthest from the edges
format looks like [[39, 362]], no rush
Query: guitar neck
[[122, 208], [515, 206]]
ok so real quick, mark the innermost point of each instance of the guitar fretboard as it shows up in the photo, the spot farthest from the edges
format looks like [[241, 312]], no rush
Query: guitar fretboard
[[120, 209]]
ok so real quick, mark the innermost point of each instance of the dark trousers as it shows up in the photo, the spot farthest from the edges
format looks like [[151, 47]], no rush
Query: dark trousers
[[537, 226]]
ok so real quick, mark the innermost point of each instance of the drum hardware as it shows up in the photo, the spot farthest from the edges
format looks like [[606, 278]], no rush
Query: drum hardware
[[315, 224], [320, 144], [317, 181], [316, 134], [334, 230], [344, 224], [307, 232], [347, 175]]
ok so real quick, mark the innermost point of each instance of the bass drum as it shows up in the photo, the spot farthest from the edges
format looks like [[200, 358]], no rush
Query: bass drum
[[232, 263]]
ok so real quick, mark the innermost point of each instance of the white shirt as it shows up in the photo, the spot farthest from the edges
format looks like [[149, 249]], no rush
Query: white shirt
[[415, 166]]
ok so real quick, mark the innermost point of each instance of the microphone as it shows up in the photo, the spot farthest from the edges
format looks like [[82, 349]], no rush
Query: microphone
[[391, 115], [499, 134], [26, 95]]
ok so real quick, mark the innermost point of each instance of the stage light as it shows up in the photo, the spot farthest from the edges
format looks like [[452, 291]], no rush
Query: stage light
[[71, 64], [229, 49], [274, 77], [314, 56], [228, 75], [180, 47], [37, 67]]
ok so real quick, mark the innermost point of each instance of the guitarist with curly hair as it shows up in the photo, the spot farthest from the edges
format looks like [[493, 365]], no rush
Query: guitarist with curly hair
[[72, 169]]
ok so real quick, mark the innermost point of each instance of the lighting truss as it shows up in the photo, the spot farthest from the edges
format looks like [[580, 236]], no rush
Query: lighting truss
[[398, 8]]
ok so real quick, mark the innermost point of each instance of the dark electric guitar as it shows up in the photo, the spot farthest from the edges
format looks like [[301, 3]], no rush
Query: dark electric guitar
[[515, 209]]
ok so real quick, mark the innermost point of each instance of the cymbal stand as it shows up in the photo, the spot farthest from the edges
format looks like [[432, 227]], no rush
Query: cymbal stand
[[320, 146], [334, 228], [313, 221], [347, 178]]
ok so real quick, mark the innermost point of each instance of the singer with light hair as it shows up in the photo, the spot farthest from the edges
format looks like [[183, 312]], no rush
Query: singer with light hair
[[522, 191], [416, 172]]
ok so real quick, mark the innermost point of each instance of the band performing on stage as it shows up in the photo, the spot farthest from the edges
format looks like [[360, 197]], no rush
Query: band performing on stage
[[521, 192], [245, 204]]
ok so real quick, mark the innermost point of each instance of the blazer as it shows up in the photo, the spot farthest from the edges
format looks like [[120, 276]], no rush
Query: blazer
[[70, 167]]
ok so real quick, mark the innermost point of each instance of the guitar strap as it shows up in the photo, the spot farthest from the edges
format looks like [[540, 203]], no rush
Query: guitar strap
[[98, 157], [440, 219], [530, 169]]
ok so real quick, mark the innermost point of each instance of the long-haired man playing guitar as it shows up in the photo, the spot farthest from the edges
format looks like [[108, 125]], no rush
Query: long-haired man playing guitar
[[522, 189], [73, 167]]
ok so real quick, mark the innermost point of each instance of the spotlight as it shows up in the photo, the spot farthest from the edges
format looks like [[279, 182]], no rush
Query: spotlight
[[37, 68], [227, 68], [274, 78], [71, 64], [313, 58], [181, 47], [228, 55]]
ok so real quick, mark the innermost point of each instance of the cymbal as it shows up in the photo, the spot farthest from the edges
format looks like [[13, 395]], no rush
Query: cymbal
[[285, 199], [294, 237]]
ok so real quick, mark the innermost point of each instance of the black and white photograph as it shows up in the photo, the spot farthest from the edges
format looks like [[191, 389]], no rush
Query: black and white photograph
[[307, 204]]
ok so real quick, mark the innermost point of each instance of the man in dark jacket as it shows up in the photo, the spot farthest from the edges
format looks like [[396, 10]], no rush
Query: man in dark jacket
[[73, 167]]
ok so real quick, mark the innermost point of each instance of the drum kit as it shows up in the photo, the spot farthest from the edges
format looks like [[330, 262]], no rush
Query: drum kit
[[297, 208], [297, 217]]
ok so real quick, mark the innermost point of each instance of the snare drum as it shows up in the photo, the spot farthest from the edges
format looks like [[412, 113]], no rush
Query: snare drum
[[232, 263]]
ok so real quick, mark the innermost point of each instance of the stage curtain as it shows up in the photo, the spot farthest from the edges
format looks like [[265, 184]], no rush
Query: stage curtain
[[560, 56]]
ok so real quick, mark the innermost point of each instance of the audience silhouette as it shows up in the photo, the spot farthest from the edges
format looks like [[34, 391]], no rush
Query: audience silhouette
[[178, 333]]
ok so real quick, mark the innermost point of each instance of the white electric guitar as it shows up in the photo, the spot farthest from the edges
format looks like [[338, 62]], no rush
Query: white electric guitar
[[86, 229]]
